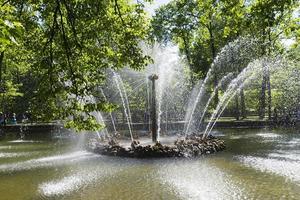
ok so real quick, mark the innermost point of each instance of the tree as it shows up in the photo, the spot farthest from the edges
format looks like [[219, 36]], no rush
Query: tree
[[177, 22], [11, 30], [212, 24], [268, 20], [201, 28], [71, 44]]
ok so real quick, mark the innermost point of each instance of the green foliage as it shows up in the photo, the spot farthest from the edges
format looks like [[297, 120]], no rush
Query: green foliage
[[10, 27], [55, 54], [200, 28], [66, 48], [203, 28], [84, 123]]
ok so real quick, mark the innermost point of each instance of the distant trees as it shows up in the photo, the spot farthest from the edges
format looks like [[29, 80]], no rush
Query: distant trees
[[54, 54], [203, 28], [268, 21]]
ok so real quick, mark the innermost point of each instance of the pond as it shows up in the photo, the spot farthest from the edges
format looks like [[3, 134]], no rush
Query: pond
[[257, 164]]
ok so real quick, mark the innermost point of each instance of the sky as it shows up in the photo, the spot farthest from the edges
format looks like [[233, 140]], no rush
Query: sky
[[156, 4]]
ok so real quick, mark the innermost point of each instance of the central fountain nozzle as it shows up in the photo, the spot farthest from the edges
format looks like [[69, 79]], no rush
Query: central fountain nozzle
[[153, 77], [154, 127]]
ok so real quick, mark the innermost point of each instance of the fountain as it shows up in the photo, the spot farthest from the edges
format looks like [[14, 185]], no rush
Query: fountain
[[165, 78], [177, 110], [158, 113]]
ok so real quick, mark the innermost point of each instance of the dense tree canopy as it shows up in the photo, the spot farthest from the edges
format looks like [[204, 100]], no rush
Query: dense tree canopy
[[203, 28], [68, 45], [54, 55]]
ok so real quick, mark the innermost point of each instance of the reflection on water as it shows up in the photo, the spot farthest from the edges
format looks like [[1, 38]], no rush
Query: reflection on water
[[287, 155], [200, 180], [47, 161], [268, 135], [74, 181], [258, 164], [11, 155], [288, 169], [63, 186], [23, 141]]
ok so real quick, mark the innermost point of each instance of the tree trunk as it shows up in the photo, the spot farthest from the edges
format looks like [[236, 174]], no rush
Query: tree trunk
[[243, 105], [269, 96], [1, 65], [268, 82], [213, 55], [237, 109], [216, 98], [266, 85], [1, 81], [263, 96], [188, 57], [123, 118]]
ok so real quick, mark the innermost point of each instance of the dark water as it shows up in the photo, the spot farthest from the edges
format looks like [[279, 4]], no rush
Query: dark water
[[258, 164]]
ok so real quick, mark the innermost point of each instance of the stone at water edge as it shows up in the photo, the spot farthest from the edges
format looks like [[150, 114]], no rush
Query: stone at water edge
[[182, 148]]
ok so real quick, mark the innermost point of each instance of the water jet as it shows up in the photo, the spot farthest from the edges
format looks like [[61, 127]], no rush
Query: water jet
[[166, 91]]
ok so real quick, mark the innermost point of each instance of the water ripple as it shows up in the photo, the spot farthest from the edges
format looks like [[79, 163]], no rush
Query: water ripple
[[77, 180], [65, 185], [288, 169], [268, 135], [201, 181], [14, 155], [47, 161], [24, 141], [5, 147]]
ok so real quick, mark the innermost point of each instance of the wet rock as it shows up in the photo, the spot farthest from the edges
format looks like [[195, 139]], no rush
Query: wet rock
[[193, 146], [134, 144], [113, 142]]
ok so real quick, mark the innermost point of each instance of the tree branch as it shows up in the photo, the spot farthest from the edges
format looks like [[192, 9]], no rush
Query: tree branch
[[71, 20], [67, 50], [5, 2], [117, 10]]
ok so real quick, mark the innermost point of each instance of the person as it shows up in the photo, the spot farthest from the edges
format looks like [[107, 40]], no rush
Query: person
[[5, 119], [25, 118], [2, 119], [28, 117], [13, 119]]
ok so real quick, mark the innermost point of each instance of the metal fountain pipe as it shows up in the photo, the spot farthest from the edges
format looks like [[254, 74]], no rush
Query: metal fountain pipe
[[154, 127]]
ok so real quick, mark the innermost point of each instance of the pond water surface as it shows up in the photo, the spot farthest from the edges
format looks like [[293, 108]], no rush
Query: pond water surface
[[257, 164]]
